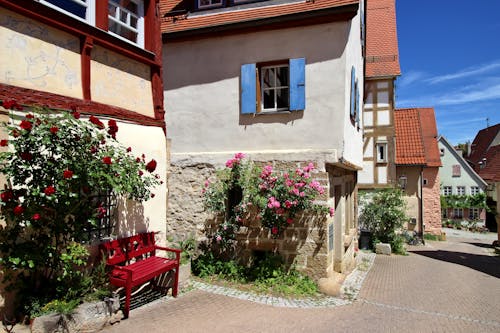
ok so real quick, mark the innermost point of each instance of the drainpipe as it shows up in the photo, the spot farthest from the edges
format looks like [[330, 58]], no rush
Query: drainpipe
[[421, 220]]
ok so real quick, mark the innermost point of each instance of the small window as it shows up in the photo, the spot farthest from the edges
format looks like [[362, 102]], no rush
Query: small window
[[273, 87], [461, 190], [209, 3], [474, 190], [425, 181], [456, 170], [80, 9], [274, 82], [125, 19], [444, 213], [382, 152], [458, 213], [441, 151], [474, 213], [447, 190]]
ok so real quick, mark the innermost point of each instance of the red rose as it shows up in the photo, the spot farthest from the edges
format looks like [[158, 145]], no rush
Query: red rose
[[151, 166], [26, 125], [26, 156], [274, 230], [18, 210], [4, 143], [49, 190], [113, 128], [67, 174], [138, 160], [36, 216], [152, 195], [93, 150], [6, 196], [141, 173], [30, 116], [76, 114], [96, 121], [129, 149], [54, 129], [15, 133], [106, 160]]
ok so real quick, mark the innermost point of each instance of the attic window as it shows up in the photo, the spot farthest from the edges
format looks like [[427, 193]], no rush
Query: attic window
[[208, 3], [441, 152]]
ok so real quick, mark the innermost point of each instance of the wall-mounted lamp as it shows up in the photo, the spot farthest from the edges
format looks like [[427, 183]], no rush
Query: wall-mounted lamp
[[403, 182]]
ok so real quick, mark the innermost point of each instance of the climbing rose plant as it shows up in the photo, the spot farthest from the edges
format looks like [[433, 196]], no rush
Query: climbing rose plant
[[279, 197], [55, 164]]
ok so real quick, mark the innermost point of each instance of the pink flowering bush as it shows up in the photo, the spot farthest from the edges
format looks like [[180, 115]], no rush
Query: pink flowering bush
[[279, 197], [55, 164]]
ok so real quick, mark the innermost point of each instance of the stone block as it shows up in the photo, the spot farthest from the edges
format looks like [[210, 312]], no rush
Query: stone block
[[383, 248]]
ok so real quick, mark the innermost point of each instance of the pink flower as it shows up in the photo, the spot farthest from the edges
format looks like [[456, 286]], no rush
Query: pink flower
[[207, 183], [229, 163], [274, 230], [280, 211], [218, 238], [302, 194], [295, 191], [239, 156], [36, 216], [288, 204], [289, 220], [331, 211]]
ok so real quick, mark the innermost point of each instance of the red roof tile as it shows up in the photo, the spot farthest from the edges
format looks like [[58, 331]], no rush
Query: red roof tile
[[486, 149], [211, 19], [382, 55], [416, 137]]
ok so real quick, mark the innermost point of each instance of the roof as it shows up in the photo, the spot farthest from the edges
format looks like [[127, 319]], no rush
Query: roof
[[186, 21], [416, 137], [382, 55], [485, 153], [458, 157]]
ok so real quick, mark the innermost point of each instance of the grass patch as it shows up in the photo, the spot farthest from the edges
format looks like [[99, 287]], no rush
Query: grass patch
[[266, 276], [432, 237]]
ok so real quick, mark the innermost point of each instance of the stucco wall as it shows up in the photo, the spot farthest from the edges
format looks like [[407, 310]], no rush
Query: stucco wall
[[412, 193], [36, 56], [202, 88], [120, 81], [432, 202], [150, 215]]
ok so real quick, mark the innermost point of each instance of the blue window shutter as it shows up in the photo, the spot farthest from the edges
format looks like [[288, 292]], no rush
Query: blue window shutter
[[297, 84], [248, 89], [196, 4], [358, 103], [353, 92]]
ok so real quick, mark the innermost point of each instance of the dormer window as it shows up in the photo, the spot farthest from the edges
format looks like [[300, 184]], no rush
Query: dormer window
[[209, 3]]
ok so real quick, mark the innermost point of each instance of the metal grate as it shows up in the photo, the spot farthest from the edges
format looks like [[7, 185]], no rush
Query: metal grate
[[105, 204]]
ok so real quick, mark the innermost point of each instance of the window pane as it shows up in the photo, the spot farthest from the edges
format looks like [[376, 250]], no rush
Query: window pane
[[204, 2], [282, 98], [111, 10], [122, 31], [216, 1], [123, 16], [282, 77], [129, 5], [269, 99], [268, 78], [71, 7], [133, 21]]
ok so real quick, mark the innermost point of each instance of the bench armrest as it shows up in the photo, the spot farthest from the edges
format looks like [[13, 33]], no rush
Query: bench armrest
[[177, 251], [124, 269]]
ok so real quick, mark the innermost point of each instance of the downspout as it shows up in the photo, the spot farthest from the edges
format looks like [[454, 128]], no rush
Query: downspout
[[421, 201]]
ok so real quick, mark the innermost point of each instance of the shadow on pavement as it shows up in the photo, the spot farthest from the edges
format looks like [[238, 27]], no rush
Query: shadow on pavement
[[486, 246], [482, 263]]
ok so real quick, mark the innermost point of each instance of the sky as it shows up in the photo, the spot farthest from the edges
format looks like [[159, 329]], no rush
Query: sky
[[450, 60]]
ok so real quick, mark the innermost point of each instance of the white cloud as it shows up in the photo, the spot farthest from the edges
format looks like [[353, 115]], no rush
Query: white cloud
[[409, 78], [491, 92], [472, 71]]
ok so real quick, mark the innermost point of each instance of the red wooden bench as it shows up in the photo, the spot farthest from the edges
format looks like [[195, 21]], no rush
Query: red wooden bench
[[133, 261]]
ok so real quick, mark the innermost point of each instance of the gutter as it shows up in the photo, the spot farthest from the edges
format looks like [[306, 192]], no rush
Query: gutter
[[287, 21]]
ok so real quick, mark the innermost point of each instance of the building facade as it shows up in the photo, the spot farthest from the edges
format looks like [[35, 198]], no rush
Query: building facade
[[281, 82]]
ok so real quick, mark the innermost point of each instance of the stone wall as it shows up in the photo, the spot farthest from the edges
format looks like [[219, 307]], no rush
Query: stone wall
[[432, 202], [305, 243]]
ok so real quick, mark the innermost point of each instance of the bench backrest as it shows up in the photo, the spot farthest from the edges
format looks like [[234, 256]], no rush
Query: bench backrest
[[125, 249]]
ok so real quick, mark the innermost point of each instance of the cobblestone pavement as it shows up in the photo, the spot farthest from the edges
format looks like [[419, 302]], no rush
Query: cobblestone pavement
[[451, 286]]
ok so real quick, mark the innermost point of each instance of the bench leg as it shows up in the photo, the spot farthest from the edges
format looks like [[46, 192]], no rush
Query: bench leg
[[128, 295], [176, 283]]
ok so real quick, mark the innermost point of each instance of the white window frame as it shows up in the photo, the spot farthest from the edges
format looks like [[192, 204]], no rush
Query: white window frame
[[211, 4], [382, 145], [460, 190], [275, 89], [474, 213], [447, 190], [475, 190], [90, 12], [140, 21], [458, 213]]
